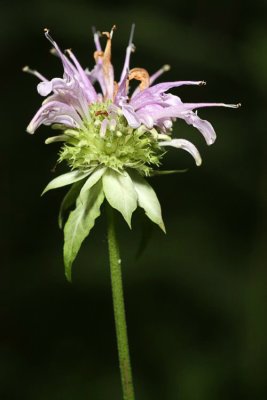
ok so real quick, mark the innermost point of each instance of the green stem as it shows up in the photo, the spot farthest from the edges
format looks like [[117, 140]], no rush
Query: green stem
[[119, 309]]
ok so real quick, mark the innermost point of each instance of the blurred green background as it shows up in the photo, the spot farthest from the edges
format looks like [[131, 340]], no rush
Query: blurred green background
[[196, 298]]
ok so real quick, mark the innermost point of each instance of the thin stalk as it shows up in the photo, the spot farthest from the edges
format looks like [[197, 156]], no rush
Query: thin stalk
[[119, 309]]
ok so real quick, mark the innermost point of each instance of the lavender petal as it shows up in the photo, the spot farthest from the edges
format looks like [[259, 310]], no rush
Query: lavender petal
[[185, 145]]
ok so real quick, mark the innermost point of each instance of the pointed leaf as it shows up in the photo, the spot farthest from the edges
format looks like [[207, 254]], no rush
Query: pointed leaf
[[80, 223], [120, 193], [92, 180], [147, 199], [69, 200], [67, 179]]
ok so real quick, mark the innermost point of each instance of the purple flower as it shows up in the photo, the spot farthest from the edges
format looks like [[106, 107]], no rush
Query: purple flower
[[149, 108], [112, 136]]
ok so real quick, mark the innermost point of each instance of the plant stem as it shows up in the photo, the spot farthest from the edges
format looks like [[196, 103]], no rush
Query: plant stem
[[119, 309]]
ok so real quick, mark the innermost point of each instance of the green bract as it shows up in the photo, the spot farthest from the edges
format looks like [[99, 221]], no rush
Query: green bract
[[124, 191], [107, 166]]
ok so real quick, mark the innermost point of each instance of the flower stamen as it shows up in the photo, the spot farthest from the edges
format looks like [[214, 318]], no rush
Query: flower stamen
[[96, 39], [130, 49], [158, 73], [34, 72]]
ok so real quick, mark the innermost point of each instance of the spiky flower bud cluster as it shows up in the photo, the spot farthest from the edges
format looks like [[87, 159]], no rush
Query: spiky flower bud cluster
[[106, 139]]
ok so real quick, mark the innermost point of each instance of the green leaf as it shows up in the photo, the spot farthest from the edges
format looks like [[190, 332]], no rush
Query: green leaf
[[147, 199], [92, 180], [80, 223], [69, 200], [67, 179], [120, 193]]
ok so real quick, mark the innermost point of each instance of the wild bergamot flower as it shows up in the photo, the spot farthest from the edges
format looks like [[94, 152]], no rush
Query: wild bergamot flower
[[112, 138]]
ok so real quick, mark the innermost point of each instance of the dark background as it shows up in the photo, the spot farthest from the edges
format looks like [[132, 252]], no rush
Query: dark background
[[196, 298]]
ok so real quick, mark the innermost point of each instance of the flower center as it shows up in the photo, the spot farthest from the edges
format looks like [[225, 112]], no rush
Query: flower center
[[107, 139]]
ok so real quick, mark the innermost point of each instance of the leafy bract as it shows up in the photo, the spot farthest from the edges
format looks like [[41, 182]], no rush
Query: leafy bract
[[120, 193], [147, 199], [80, 222], [69, 200], [92, 180], [67, 179]]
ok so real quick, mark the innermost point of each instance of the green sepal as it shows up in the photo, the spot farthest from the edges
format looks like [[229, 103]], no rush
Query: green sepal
[[79, 224], [67, 179], [69, 200], [147, 199], [120, 193], [58, 127], [59, 138]]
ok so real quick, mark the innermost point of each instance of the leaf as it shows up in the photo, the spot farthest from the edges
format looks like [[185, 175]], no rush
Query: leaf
[[73, 193], [66, 179], [69, 200], [92, 180], [120, 193], [147, 199], [80, 223]]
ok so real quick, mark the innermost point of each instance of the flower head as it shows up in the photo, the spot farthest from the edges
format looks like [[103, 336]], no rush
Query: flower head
[[112, 136]]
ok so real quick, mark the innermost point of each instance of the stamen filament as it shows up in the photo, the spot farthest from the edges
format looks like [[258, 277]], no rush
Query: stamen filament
[[158, 73], [34, 72]]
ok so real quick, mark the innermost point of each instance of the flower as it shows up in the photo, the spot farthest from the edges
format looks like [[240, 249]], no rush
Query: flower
[[112, 137]]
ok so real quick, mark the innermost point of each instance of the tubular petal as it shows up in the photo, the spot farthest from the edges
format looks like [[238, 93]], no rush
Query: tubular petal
[[103, 127], [194, 106], [163, 87], [203, 126], [185, 145], [90, 90], [71, 71], [55, 112], [130, 115]]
